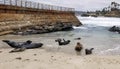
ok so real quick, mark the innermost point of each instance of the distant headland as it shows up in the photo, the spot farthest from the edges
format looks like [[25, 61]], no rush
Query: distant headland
[[113, 10]]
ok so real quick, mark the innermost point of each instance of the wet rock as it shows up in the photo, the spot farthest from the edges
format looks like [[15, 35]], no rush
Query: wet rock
[[46, 28], [115, 29], [63, 26]]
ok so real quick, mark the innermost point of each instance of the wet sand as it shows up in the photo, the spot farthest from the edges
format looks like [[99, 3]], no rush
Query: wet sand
[[49, 42]]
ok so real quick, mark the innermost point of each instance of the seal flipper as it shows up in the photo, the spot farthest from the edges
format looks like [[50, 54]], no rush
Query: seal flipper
[[18, 50]]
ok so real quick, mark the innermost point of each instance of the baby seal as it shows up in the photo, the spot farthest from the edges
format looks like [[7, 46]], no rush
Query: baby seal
[[89, 51], [78, 47]]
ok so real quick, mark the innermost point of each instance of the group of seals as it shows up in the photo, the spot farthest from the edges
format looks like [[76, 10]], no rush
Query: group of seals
[[79, 47], [21, 46]]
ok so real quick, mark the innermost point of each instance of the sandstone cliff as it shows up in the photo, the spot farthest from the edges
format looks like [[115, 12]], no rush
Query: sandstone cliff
[[15, 19]]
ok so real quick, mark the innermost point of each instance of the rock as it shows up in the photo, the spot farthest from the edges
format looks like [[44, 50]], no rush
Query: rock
[[35, 54], [37, 27], [114, 29], [19, 58], [27, 59], [63, 26], [0, 51], [46, 28]]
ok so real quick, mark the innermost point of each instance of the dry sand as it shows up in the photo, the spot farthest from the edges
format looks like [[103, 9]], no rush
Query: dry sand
[[42, 59]]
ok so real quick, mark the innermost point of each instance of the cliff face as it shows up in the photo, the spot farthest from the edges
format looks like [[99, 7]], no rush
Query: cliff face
[[113, 14], [44, 21]]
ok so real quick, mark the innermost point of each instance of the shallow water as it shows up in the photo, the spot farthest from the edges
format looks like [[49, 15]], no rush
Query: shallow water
[[94, 34]]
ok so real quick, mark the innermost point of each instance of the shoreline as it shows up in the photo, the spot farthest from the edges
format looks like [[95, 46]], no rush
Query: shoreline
[[41, 59]]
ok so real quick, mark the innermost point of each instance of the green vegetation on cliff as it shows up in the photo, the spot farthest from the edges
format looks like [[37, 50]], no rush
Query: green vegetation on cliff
[[113, 10]]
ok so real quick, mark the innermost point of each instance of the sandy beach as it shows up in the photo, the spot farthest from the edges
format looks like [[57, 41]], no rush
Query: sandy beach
[[41, 59], [60, 34], [53, 56]]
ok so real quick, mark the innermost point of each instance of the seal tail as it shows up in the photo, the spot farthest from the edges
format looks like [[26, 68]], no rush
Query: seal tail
[[91, 49]]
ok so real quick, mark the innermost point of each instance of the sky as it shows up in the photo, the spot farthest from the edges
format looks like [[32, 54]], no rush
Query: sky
[[80, 5]]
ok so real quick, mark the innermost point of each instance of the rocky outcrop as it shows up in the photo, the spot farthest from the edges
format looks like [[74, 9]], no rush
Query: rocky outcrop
[[115, 29], [59, 26]]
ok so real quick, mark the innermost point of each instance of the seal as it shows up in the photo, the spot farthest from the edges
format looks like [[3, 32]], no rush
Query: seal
[[17, 44], [89, 51], [21, 46], [64, 42], [33, 45], [58, 40], [77, 38], [78, 47]]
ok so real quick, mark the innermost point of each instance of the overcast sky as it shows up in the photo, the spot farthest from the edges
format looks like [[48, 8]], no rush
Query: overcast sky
[[81, 5]]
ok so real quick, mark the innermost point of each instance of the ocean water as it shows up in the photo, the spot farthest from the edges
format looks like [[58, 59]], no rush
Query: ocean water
[[94, 33]]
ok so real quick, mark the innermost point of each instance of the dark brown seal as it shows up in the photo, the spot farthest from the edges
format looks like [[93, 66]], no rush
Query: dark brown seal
[[78, 47]]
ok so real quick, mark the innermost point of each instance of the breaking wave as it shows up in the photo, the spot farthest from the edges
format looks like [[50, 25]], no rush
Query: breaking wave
[[100, 21]]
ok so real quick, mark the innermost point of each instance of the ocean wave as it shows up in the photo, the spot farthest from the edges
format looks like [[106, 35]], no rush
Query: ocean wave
[[100, 21], [114, 51], [89, 26], [82, 27]]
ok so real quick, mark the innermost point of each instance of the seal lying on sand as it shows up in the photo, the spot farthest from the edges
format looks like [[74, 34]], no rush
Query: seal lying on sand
[[64, 42], [88, 51], [77, 38], [17, 44], [58, 40], [21, 46], [78, 47]]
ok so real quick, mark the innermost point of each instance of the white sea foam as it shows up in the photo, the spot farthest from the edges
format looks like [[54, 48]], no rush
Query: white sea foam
[[100, 21], [80, 27]]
